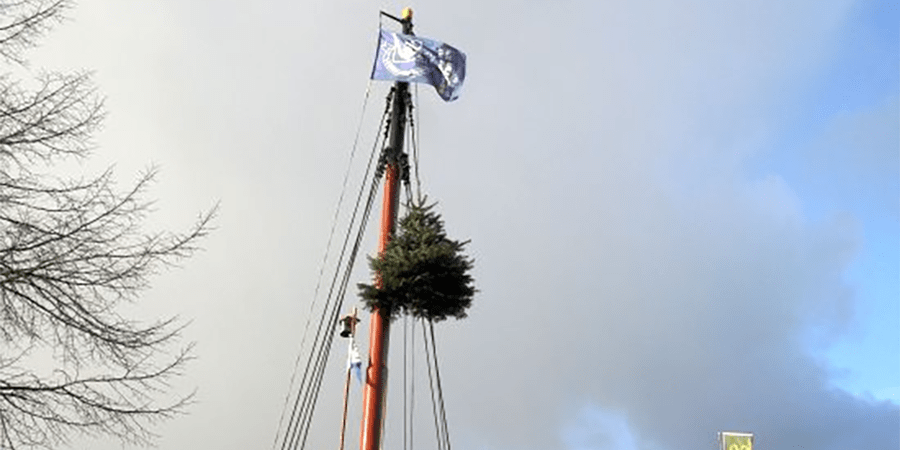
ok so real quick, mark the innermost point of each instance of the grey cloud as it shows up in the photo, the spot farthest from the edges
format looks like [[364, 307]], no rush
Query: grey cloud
[[627, 259]]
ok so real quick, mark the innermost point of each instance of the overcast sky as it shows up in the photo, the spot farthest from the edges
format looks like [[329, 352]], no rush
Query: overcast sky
[[684, 214]]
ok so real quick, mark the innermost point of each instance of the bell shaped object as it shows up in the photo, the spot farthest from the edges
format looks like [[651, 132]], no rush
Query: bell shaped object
[[348, 325]]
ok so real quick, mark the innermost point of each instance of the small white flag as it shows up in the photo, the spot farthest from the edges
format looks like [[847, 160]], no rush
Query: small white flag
[[354, 360]]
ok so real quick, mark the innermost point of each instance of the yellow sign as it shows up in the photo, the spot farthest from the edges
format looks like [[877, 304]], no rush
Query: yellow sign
[[736, 441]]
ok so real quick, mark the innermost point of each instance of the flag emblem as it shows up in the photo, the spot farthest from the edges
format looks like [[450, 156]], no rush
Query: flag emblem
[[414, 59]]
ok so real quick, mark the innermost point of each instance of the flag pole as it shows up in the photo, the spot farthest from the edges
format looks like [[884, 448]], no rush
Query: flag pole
[[350, 326], [379, 326]]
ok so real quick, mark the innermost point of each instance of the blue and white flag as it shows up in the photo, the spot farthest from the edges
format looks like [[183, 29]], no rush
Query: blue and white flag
[[354, 360], [413, 59]]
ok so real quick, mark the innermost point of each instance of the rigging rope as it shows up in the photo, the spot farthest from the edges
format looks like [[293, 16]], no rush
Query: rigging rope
[[412, 385], [414, 105], [334, 222], [440, 390], [442, 432], [307, 392], [434, 412], [405, 339], [336, 310], [302, 429], [296, 432], [409, 365], [414, 138]]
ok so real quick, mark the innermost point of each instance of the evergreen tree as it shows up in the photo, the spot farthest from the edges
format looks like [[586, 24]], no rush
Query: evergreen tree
[[421, 272]]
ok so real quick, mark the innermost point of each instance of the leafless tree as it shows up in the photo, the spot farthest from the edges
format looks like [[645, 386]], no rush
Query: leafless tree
[[72, 251]]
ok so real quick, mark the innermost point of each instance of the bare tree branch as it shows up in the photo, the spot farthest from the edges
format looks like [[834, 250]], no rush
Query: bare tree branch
[[23, 21], [72, 250]]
